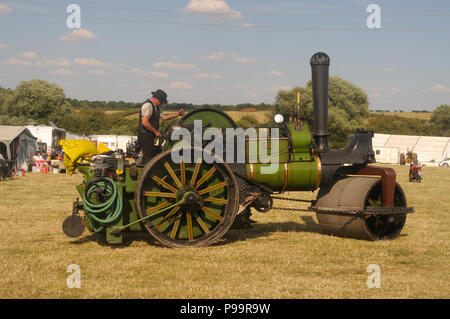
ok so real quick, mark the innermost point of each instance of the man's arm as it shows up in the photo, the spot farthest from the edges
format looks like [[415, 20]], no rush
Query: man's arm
[[171, 116], [146, 123]]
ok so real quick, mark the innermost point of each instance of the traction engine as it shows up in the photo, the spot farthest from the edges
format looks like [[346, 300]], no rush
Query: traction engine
[[194, 201]]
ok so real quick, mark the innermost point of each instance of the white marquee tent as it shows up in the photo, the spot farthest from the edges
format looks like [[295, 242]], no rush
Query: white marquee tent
[[428, 148]]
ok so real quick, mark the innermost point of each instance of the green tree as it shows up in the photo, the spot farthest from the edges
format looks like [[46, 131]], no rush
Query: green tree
[[394, 124], [6, 97], [347, 107], [441, 120], [40, 100]]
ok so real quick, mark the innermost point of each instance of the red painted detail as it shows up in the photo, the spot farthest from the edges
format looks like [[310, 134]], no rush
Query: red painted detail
[[387, 182]]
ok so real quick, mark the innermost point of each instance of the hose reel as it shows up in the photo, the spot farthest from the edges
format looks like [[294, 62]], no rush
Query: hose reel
[[102, 202]]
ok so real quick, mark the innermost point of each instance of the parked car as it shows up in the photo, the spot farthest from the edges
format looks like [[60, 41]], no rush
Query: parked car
[[429, 163], [445, 163]]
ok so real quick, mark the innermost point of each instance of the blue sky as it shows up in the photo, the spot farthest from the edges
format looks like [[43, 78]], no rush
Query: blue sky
[[228, 52]]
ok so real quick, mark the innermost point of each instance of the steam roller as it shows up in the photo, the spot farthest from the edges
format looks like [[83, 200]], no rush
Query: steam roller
[[210, 173]]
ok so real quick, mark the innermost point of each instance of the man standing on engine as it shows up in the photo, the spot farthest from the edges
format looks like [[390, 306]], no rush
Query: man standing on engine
[[149, 116]]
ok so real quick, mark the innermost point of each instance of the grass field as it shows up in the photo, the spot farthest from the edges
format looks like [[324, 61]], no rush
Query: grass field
[[263, 116], [283, 256], [260, 116]]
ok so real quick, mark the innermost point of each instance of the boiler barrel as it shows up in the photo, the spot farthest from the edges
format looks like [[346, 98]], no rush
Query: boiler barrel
[[290, 176]]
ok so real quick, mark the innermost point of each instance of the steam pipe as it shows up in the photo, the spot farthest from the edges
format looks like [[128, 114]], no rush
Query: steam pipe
[[319, 67]]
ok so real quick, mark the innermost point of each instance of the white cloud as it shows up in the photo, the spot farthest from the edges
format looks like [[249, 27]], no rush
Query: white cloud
[[61, 72], [4, 9], [222, 56], [173, 66], [180, 85], [79, 35], [19, 62], [61, 62], [162, 75], [214, 56], [213, 76], [439, 88], [242, 60], [3, 46], [137, 70], [29, 55], [90, 62], [58, 62], [272, 73], [212, 7]]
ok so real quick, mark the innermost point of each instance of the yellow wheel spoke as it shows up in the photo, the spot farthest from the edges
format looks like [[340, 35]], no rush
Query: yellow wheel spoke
[[170, 214], [196, 169], [183, 173], [189, 224], [160, 194], [201, 223], [157, 207], [210, 212], [175, 228], [216, 200], [205, 177], [163, 183], [212, 188], [172, 173]]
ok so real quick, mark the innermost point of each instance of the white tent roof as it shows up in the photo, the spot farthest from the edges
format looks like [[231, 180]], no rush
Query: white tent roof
[[8, 133], [380, 139], [431, 144], [403, 142], [427, 147]]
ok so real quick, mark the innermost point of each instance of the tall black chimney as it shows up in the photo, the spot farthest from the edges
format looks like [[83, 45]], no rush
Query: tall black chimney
[[319, 67]]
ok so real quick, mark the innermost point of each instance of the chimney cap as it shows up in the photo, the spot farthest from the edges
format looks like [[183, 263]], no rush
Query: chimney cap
[[320, 58]]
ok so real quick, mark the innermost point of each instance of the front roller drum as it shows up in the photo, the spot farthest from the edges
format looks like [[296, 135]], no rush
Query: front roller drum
[[201, 198], [356, 194]]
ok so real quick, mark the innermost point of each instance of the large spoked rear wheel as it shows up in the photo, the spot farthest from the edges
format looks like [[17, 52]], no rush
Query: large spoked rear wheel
[[209, 194]]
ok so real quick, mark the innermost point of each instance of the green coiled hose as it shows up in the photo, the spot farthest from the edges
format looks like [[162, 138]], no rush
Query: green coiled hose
[[111, 207]]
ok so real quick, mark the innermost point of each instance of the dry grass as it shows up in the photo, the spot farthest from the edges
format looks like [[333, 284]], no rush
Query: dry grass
[[260, 116], [283, 256]]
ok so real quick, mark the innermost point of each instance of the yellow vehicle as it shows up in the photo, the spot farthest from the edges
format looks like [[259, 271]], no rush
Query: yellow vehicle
[[409, 158]]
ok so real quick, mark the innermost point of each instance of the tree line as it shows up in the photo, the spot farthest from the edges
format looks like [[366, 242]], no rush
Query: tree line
[[121, 105], [38, 102], [437, 125]]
